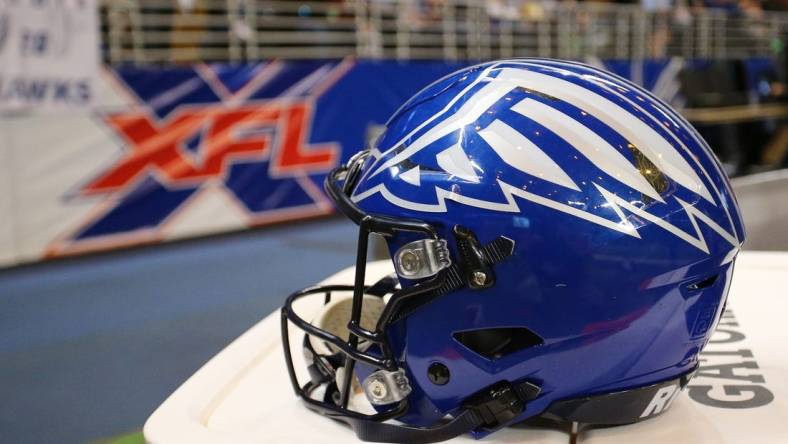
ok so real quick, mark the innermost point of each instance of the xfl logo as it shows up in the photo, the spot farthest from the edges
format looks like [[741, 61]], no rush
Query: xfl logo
[[243, 133], [272, 131]]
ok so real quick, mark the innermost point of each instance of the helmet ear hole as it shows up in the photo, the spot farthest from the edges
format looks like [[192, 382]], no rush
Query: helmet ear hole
[[703, 283], [495, 343]]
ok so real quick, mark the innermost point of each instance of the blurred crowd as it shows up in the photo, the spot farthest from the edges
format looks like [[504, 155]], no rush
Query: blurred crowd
[[530, 9], [725, 32], [595, 25], [534, 9], [594, 30]]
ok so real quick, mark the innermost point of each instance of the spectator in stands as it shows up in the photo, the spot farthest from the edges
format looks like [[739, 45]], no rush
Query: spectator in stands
[[660, 11], [188, 25], [504, 9]]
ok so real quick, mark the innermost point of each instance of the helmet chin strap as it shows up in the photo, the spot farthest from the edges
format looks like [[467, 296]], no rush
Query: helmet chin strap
[[490, 409]]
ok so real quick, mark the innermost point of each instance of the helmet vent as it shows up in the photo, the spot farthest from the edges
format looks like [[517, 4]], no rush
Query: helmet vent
[[705, 283], [495, 343]]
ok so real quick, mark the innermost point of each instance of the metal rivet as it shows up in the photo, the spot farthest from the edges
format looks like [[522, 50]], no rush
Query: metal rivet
[[410, 261], [378, 389], [479, 278], [438, 373]]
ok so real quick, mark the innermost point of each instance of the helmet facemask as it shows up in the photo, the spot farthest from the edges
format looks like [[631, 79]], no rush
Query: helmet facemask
[[332, 349]]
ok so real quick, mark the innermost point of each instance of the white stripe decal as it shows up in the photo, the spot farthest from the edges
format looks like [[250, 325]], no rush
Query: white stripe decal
[[412, 176], [666, 111], [605, 156], [610, 83], [454, 161], [617, 204], [697, 240], [510, 206], [519, 152], [622, 226], [482, 76], [471, 110], [649, 142]]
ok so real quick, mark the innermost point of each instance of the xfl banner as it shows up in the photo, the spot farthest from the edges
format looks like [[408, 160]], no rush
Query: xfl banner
[[187, 151]]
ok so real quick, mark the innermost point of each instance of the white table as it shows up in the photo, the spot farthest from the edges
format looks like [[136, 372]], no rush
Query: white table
[[243, 394]]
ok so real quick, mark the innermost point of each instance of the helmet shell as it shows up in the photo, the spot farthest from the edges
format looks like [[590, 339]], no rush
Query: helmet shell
[[617, 207]]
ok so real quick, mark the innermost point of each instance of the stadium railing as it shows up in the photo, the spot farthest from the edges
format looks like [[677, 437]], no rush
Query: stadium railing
[[157, 32]]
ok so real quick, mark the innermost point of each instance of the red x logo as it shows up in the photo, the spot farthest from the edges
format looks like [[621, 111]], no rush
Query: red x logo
[[275, 130]]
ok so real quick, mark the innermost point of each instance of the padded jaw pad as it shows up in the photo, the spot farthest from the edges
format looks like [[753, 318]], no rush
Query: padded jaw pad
[[335, 316]]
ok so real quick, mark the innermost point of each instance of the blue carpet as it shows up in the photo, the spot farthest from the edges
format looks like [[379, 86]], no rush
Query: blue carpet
[[90, 347]]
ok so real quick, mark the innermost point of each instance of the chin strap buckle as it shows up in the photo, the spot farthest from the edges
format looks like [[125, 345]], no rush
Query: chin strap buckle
[[500, 403]]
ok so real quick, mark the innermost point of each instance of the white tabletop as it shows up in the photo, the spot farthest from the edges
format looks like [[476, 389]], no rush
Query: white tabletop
[[243, 394]]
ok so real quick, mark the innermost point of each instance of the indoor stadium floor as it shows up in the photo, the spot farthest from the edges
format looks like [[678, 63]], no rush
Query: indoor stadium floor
[[91, 346]]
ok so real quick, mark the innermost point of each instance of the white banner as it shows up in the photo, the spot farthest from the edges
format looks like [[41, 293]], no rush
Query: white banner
[[48, 53]]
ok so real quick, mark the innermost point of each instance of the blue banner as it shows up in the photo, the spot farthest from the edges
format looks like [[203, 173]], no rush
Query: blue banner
[[267, 133], [264, 134]]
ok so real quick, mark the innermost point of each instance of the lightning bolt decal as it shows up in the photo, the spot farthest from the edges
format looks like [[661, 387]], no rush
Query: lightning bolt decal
[[697, 241], [617, 204]]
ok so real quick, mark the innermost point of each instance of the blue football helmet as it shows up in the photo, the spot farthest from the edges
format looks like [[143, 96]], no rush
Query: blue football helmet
[[563, 244]]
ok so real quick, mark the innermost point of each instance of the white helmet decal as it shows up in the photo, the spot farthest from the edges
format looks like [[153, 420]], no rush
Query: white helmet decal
[[524, 153]]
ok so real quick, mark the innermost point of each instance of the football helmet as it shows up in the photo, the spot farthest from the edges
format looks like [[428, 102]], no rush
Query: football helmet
[[563, 243]]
